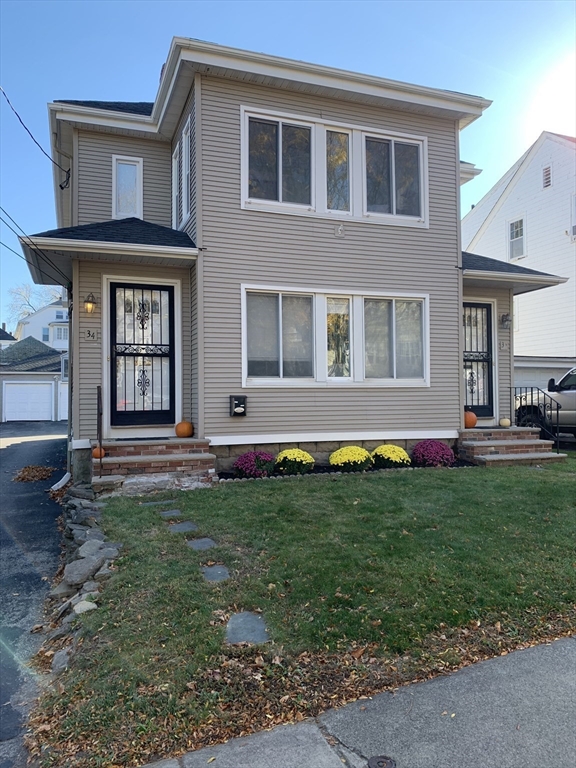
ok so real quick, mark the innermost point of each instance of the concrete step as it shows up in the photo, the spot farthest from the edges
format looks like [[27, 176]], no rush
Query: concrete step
[[499, 433], [515, 459]]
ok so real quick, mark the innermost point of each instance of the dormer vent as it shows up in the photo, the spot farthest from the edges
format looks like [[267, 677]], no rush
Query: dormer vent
[[546, 177]]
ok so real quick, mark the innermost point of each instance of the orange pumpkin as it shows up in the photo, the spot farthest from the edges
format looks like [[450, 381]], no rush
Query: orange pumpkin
[[98, 452], [470, 419], [184, 429]]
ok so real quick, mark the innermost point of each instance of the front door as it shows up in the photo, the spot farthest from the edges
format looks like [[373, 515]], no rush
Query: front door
[[142, 354], [478, 376]]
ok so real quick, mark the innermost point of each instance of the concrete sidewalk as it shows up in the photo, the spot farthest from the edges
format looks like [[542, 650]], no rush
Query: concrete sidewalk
[[515, 711]]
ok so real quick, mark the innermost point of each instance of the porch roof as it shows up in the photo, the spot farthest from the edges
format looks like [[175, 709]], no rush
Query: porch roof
[[130, 239], [484, 271]]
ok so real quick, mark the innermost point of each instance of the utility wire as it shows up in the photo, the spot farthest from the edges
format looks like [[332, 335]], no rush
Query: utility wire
[[66, 181], [31, 244], [50, 277]]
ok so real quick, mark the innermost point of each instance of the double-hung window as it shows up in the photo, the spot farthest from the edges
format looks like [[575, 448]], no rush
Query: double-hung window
[[516, 239], [127, 190], [185, 174], [299, 337], [294, 165], [62, 334], [176, 187]]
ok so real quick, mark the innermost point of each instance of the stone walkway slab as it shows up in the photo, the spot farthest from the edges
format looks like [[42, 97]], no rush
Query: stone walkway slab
[[246, 627], [215, 573], [182, 527], [201, 544], [167, 513], [156, 503]]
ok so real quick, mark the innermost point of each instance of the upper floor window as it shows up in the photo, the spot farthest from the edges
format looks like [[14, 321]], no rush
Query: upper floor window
[[45, 334], [301, 338], [62, 334], [59, 314], [176, 187], [299, 166], [516, 239], [127, 187], [185, 174]]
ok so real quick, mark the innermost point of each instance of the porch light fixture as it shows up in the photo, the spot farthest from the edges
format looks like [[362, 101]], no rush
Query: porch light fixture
[[505, 322], [90, 303]]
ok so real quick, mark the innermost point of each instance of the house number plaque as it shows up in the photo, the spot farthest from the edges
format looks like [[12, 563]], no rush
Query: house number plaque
[[91, 335]]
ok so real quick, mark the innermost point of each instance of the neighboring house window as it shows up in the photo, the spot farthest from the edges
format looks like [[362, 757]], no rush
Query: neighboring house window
[[185, 176], [302, 166], [64, 368], [62, 334], [516, 230], [176, 187], [127, 190], [546, 177], [45, 334], [299, 337], [59, 314]]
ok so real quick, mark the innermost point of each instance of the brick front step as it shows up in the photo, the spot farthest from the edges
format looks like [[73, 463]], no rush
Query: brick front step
[[469, 449], [510, 460], [151, 447], [509, 433], [140, 464]]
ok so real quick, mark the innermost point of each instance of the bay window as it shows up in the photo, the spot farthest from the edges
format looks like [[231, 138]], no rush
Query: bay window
[[304, 338], [294, 165]]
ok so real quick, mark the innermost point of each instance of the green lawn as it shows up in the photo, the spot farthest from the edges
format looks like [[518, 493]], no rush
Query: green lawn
[[365, 582]]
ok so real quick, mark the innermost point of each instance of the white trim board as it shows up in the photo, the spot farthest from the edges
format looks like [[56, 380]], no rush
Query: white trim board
[[316, 437]]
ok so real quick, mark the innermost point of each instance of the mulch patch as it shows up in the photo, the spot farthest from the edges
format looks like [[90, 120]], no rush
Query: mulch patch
[[326, 469]]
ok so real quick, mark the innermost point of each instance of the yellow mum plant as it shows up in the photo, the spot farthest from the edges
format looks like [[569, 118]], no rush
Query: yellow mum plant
[[352, 458], [294, 461], [388, 456]]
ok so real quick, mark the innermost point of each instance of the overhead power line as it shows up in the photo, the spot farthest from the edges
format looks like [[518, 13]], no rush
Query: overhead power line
[[50, 277], [40, 253], [66, 181]]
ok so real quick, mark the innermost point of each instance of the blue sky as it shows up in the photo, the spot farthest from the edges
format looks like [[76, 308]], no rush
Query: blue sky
[[518, 53]]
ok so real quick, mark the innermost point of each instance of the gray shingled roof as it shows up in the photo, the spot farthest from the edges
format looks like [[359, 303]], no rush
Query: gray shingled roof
[[133, 107], [132, 230], [484, 264], [30, 355], [5, 336]]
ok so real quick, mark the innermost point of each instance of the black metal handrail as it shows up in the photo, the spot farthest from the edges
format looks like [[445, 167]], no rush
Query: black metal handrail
[[99, 423], [533, 407]]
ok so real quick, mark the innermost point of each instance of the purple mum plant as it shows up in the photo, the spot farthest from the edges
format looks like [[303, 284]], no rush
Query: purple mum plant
[[432, 453], [254, 464]]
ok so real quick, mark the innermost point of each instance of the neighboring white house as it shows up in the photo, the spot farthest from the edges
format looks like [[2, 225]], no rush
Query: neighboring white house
[[6, 339], [529, 218], [49, 325]]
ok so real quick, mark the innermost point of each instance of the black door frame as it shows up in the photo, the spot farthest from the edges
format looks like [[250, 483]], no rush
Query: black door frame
[[141, 418], [475, 356]]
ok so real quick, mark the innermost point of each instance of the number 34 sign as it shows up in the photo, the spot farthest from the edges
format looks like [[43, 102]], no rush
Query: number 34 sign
[[90, 335]]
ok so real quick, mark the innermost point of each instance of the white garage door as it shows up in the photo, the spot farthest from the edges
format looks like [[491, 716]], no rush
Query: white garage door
[[28, 402]]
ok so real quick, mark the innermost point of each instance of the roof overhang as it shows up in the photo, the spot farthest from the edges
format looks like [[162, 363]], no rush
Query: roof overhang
[[50, 259], [468, 171], [518, 283]]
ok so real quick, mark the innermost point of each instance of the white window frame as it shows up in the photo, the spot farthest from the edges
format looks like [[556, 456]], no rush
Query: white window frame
[[139, 163], [62, 333], [509, 240], [357, 153], [321, 378], [185, 175], [45, 332], [176, 186]]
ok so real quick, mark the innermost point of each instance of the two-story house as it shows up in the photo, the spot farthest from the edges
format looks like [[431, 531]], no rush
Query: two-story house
[[48, 324], [529, 218], [271, 250]]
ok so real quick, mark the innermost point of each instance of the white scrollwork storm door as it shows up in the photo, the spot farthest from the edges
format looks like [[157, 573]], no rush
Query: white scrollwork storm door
[[142, 359], [478, 375]]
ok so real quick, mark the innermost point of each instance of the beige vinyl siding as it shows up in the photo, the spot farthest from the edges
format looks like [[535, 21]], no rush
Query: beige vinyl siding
[[502, 353], [244, 246], [95, 151], [88, 363], [194, 378]]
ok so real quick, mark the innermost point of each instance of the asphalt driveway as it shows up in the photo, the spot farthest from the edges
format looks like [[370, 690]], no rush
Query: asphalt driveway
[[30, 546]]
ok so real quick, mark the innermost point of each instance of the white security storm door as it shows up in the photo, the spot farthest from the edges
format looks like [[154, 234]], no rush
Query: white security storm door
[[478, 368], [25, 401], [142, 359]]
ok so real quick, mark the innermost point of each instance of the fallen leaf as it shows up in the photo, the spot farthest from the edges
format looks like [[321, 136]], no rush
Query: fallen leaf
[[358, 652], [210, 760]]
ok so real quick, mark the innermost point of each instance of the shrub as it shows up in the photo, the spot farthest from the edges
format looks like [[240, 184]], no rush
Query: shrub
[[388, 456], [294, 461], [432, 453], [254, 464], [352, 458]]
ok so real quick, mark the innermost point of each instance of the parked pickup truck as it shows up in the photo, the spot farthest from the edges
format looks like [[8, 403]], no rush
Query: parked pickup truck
[[537, 408]]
